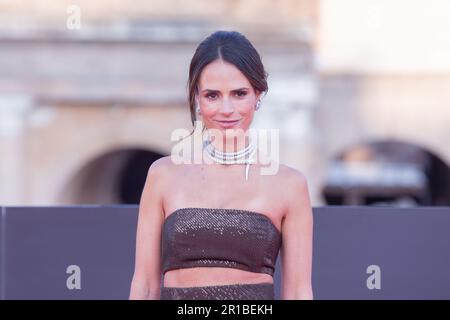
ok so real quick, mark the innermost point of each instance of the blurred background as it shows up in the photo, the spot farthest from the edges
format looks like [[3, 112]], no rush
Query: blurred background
[[90, 92]]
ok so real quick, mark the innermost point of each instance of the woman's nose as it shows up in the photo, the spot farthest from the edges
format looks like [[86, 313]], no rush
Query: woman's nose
[[227, 107]]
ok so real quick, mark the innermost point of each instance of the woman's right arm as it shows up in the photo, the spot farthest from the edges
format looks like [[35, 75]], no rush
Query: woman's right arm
[[147, 273]]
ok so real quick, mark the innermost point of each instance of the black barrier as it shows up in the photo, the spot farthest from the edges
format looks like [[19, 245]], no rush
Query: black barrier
[[83, 252], [87, 252]]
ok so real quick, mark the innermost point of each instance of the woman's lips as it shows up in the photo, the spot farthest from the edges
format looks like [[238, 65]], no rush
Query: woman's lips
[[227, 123]]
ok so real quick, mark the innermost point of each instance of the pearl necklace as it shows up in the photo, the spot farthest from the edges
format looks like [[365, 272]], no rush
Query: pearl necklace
[[242, 156]]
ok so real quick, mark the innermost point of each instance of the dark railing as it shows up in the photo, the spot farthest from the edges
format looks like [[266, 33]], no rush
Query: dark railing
[[87, 252]]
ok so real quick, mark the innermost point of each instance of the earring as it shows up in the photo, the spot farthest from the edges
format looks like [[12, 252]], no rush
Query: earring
[[258, 105], [198, 109]]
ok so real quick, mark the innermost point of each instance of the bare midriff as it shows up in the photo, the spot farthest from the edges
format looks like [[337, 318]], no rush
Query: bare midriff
[[208, 276]]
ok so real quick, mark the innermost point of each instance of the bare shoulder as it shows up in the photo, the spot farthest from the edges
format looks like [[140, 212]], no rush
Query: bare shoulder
[[288, 176], [294, 186], [292, 177], [158, 173], [160, 166]]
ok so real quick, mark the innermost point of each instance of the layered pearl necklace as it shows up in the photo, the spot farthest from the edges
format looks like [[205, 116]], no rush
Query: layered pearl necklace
[[244, 156]]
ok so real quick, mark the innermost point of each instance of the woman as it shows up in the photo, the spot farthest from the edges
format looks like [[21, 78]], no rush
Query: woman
[[212, 233]]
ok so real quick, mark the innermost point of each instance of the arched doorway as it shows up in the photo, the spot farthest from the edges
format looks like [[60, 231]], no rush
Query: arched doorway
[[387, 173], [116, 177]]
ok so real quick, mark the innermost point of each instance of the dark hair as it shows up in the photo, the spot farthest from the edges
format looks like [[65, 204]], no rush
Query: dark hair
[[232, 47]]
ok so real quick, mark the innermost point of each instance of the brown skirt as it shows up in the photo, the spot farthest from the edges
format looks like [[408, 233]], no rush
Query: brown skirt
[[254, 291]]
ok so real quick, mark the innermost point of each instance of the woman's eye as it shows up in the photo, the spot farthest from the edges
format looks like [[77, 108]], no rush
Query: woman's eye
[[241, 93], [211, 96]]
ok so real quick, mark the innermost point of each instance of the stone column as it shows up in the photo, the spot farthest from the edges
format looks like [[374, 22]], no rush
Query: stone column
[[13, 110]]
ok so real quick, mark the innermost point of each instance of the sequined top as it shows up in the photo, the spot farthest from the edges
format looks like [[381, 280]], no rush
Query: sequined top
[[208, 237]]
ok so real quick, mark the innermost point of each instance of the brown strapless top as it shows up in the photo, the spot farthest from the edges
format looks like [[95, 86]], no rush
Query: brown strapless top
[[210, 237]]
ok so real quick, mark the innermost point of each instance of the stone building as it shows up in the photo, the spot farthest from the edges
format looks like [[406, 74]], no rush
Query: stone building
[[84, 112]]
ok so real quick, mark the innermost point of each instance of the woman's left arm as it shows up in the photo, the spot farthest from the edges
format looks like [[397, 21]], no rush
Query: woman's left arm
[[296, 249]]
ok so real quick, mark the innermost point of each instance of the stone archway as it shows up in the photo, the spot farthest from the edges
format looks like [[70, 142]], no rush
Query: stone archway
[[116, 177], [387, 172]]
